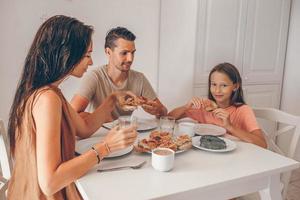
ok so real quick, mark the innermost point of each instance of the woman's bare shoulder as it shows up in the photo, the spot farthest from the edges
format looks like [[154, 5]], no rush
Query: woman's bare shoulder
[[47, 97]]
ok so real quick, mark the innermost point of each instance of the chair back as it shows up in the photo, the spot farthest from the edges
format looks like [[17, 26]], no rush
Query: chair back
[[287, 129], [5, 158], [3, 188]]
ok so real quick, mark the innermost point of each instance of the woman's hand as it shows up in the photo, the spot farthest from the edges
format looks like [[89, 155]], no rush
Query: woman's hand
[[224, 116], [120, 138]]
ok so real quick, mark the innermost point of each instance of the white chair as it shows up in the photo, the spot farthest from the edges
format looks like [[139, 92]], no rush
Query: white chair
[[284, 138], [5, 161]]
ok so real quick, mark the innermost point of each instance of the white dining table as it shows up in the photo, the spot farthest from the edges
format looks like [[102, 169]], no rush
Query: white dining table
[[197, 174]]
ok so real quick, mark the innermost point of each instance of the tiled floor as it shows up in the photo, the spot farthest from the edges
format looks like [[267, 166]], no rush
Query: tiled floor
[[294, 187]]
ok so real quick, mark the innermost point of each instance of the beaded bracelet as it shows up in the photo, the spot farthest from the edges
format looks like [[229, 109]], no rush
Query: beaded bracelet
[[97, 154]]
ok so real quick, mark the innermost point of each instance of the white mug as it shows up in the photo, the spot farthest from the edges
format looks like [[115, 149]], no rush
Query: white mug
[[163, 159], [186, 128]]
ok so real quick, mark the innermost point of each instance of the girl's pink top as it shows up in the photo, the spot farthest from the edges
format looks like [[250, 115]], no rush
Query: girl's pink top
[[241, 117]]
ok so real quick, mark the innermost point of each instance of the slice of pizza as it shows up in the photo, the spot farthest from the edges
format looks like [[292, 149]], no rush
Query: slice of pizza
[[129, 103], [210, 106], [183, 142]]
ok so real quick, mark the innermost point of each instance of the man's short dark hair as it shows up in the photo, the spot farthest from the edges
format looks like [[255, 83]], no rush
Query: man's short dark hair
[[116, 33]]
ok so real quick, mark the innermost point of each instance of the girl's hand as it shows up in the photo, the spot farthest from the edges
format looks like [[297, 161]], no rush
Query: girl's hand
[[224, 116], [120, 138], [198, 103]]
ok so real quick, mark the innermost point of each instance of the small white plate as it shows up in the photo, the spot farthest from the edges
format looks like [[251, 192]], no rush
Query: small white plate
[[143, 124], [230, 145], [84, 145], [209, 129]]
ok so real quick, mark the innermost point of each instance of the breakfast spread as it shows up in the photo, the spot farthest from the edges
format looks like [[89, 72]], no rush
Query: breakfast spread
[[163, 139]]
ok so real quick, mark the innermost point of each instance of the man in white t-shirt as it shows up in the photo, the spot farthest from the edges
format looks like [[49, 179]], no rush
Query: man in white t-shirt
[[97, 84]]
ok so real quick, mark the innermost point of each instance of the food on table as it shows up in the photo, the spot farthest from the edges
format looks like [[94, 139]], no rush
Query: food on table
[[183, 142], [212, 142], [163, 139], [210, 106]]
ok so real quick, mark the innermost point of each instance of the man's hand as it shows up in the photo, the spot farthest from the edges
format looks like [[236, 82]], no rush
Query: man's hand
[[154, 107], [126, 99]]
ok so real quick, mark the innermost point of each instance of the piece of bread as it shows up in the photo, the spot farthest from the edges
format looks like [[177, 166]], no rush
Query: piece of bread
[[128, 103], [142, 146], [211, 106], [183, 142]]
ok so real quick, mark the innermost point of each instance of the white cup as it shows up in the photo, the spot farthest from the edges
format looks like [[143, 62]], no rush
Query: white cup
[[186, 128], [163, 159]]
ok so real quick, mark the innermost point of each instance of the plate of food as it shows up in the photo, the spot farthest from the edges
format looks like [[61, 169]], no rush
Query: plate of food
[[142, 124], [209, 129], [84, 145], [213, 143], [157, 139]]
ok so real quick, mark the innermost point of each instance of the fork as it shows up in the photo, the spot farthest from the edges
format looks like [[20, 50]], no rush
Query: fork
[[138, 166]]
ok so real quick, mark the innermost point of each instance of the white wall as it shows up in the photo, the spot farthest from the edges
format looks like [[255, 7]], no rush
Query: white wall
[[19, 21], [177, 51], [166, 37], [291, 85]]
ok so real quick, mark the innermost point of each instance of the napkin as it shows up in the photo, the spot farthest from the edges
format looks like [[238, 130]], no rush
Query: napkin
[[139, 113]]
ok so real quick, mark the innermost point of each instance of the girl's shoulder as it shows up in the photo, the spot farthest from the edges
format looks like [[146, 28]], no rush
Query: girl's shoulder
[[244, 109]]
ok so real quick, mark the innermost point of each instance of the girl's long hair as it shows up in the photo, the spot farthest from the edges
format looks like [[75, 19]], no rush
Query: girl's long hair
[[237, 96], [59, 44]]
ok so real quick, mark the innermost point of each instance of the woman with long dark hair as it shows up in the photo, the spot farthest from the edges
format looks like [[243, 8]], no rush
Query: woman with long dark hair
[[225, 106], [42, 124]]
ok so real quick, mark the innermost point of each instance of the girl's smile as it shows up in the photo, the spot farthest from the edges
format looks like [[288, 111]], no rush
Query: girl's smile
[[221, 88]]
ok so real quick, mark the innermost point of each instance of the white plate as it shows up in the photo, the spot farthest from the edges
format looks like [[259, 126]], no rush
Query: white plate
[[230, 145], [209, 129], [143, 124], [84, 145]]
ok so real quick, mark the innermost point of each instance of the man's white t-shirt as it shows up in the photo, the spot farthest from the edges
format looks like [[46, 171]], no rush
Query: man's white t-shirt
[[96, 86]]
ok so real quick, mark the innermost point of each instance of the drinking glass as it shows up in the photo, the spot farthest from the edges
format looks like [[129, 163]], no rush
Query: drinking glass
[[125, 121], [167, 124]]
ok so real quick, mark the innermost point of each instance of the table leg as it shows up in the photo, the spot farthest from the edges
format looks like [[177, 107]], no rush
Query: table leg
[[273, 191]]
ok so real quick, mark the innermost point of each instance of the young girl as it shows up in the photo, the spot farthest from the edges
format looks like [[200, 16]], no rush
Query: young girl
[[42, 125], [231, 112]]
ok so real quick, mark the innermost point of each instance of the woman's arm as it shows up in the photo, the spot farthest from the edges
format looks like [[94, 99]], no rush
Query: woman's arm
[[53, 174], [87, 124]]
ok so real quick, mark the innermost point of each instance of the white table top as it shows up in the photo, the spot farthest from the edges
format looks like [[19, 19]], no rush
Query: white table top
[[195, 171]]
